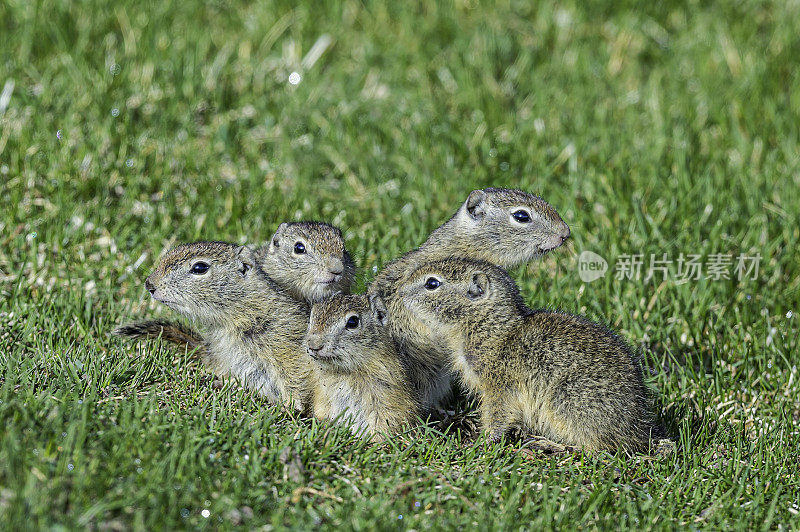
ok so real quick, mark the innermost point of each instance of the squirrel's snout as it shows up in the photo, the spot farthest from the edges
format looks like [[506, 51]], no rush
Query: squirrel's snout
[[315, 343], [556, 240], [150, 286], [336, 266]]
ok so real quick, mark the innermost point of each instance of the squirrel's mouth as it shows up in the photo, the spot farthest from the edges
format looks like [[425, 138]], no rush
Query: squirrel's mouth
[[167, 302], [328, 281], [322, 356], [174, 305], [552, 243]]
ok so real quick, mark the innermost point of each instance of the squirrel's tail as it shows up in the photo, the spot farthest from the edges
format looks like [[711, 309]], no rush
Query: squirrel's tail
[[168, 331]]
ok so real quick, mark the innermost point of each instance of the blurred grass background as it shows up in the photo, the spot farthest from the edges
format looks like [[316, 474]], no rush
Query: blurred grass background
[[128, 127]]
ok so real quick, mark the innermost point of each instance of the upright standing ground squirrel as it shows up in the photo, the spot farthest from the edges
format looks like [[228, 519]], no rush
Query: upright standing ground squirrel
[[252, 329], [506, 227], [362, 380], [554, 374], [308, 260]]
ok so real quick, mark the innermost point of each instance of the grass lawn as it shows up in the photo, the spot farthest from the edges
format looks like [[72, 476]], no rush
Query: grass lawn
[[127, 127]]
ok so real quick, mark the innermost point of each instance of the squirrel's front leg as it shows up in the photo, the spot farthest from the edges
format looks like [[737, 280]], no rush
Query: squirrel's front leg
[[210, 360], [496, 418]]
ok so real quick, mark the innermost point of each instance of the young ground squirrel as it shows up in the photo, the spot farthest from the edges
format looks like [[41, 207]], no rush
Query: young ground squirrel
[[306, 259], [309, 259], [361, 378], [557, 375], [251, 328], [506, 227], [503, 226]]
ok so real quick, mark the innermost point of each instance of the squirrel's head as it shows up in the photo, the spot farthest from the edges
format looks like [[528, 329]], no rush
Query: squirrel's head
[[509, 227], [309, 259], [204, 281], [459, 295], [344, 331]]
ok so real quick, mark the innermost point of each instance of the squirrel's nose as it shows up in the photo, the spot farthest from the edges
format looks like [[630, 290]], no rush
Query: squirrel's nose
[[552, 242], [336, 266], [150, 286], [315, 343], [565, 233]]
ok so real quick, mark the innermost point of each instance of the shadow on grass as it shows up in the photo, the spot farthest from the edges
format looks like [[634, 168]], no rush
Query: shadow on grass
[[687, 412]]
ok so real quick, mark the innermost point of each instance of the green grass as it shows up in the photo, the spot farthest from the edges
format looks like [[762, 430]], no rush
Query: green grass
[[672, 128]]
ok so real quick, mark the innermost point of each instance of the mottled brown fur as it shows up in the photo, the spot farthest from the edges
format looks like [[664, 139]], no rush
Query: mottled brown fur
[[362, 380], [251, 328], [168, 331], [550, 373], [482, 228], [323, 270], [323, 267]]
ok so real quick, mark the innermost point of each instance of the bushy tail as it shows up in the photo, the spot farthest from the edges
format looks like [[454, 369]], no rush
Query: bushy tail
[[168, 331]]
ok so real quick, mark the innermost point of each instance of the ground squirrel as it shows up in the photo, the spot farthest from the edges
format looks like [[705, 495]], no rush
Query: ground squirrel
[[308, 260], [251, 328], [506, 227], [503, 226], [554, 374], [361, 377]]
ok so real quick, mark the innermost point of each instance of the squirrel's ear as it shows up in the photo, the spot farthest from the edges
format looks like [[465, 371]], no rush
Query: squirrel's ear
[[244, 257], [479, 286], [378, 308], [274, 242], [476, 204]]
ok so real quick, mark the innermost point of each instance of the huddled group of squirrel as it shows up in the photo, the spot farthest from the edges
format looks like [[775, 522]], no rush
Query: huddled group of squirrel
[[281, 319]]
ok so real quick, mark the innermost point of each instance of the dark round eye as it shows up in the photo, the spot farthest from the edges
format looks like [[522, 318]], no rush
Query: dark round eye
[[432, 283], [352, 322], [521, 216], [299, 248], [199, 268]]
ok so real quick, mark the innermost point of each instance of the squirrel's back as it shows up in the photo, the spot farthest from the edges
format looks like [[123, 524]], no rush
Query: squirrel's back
[[590, 379], [550, 373]]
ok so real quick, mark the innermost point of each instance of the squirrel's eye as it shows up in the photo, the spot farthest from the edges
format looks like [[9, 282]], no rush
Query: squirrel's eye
[[199, 268], [432, 283], [521, 216], [299, 248], [276, 243], [352, 322]]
